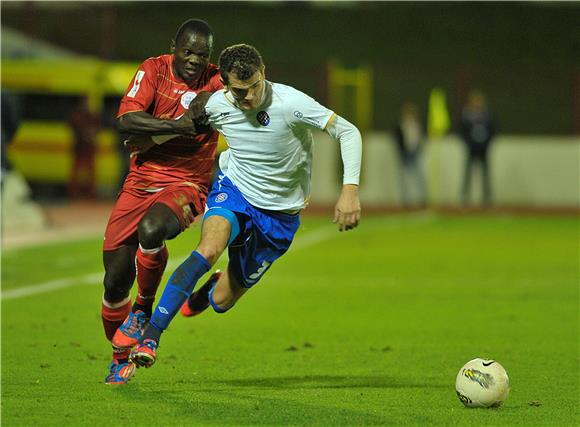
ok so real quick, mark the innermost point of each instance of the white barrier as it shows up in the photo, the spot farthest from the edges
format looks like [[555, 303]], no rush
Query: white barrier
[[528, 171]]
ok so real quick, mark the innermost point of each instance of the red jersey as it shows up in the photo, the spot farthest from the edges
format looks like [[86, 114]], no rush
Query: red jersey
[[183, 160]]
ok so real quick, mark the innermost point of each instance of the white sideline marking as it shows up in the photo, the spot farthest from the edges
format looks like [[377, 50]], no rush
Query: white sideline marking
[[314, 237], [301, 242], [87, 279], [304, 241]]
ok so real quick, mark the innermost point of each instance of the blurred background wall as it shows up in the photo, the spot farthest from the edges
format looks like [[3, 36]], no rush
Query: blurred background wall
[[363, 59]]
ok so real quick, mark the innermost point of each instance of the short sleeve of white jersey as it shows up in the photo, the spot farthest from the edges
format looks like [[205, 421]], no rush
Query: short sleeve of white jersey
[[305, 111]]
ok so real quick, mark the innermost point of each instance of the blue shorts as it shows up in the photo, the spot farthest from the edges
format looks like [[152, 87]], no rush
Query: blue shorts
[[264, 236]]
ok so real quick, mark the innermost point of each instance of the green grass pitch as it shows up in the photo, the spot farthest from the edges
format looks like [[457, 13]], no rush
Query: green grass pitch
[[368, 327]]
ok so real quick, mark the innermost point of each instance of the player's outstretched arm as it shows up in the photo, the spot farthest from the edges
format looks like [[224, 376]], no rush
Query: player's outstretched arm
[[347, 210], [143, 123], [135, 123], [141, 143], [192, 123]]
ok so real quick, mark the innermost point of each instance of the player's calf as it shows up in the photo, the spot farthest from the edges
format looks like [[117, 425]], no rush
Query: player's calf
[[225, 294]]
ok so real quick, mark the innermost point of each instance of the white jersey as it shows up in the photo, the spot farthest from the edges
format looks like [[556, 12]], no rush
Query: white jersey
[[270, 149]]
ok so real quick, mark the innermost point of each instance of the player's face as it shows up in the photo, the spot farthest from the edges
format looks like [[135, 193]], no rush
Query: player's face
[[191, 56], [249, 93]]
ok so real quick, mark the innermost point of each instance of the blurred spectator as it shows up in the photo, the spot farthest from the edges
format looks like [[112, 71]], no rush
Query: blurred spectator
[[85, 125], [478, 128], [123, 152], [10, 122], [410, 136]]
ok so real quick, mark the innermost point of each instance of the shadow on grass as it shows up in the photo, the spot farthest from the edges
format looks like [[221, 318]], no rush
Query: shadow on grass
[[329, 381], [238, 402]]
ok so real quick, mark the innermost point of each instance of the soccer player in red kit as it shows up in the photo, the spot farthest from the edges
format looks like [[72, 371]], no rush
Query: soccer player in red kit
[[166, 187]]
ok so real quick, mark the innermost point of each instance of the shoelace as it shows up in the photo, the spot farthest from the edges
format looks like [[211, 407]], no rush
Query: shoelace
[[115, 369], [137, 323], [150, 344]]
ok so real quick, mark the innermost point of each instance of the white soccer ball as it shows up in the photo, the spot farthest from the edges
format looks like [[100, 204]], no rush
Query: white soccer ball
[[482, 383]]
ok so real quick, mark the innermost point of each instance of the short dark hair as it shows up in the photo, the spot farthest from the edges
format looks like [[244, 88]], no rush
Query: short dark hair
[[242, 59], [196, 26]]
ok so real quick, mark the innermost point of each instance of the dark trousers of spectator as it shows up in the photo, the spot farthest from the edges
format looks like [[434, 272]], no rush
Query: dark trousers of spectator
[[82, 180], [474, 160], [412, 182]]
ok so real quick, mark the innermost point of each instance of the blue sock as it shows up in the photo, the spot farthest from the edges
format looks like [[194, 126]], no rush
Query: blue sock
[[216, 307], [178, 289]]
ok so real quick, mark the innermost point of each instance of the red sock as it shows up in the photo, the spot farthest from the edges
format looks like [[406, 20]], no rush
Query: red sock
[[150, 267], [121, 354], [113, 315]]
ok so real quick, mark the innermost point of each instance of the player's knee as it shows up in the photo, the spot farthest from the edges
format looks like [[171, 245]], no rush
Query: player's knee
[[152, 232], [210, 251]]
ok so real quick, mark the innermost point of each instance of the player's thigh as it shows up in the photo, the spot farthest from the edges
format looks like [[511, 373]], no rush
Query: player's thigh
[[215, 233], [252, 255], [122, 225], [185, 202], [161, 220]]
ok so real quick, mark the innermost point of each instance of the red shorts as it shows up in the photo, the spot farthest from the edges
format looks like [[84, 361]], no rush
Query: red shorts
[[185, 202]]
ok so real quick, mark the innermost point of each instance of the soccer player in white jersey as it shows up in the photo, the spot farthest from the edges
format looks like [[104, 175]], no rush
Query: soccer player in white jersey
[[263, 183]]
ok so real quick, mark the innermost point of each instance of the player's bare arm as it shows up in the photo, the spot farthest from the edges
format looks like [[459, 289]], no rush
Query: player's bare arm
[[142, 123], [196, 113]]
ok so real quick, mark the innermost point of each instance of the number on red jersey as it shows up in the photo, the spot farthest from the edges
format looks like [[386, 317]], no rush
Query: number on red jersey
[[136, 84]]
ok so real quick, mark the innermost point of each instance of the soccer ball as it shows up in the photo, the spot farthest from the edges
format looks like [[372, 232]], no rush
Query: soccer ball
[[482, 383]]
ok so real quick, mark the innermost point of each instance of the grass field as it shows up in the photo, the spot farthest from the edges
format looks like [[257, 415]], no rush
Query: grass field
[[361, 328]]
